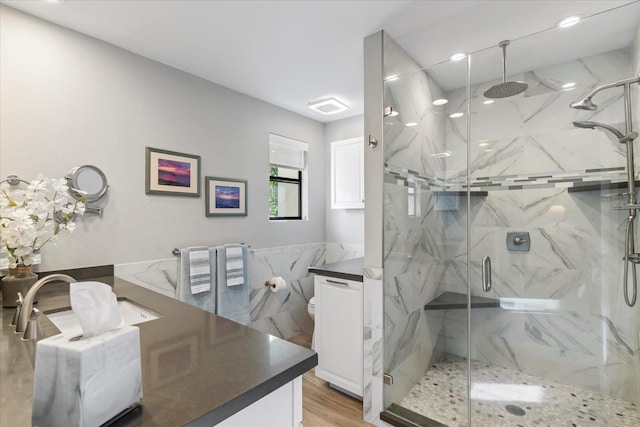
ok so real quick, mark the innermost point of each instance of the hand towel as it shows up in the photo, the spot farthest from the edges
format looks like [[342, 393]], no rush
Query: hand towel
[[233, 301], [199, 270], [203, 300], [234, 265]]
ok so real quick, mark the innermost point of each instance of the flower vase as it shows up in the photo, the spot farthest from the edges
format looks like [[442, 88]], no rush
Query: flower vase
[[20, 279]]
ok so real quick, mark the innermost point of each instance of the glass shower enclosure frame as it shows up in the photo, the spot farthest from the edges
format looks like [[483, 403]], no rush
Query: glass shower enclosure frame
[[502, 245]]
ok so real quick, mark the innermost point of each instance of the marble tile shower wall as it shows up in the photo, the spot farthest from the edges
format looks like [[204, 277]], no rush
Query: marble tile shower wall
[[283, 314], [588, 337], [533, 134], [414, 258]]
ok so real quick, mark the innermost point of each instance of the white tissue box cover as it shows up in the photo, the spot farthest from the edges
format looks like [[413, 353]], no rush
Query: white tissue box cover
[[86, 382]]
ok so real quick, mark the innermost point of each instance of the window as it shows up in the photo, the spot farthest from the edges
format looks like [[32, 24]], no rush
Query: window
[[285, 193], [287, 178]]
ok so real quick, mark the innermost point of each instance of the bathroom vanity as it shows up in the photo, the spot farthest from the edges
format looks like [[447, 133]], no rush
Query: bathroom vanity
[[198, 369], [339, 324]]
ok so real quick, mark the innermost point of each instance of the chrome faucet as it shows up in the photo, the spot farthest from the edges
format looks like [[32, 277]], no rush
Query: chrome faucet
[[27, 305]]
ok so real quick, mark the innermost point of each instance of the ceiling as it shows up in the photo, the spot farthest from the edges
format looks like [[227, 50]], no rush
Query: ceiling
[[288, 53]]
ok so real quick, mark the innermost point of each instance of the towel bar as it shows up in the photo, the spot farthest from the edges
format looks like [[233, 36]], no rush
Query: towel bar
[[176, 251]]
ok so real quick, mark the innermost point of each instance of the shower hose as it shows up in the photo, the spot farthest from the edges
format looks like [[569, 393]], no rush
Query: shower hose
[[628, 255]]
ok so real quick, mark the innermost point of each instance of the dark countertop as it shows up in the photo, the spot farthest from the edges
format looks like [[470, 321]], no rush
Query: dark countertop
[[197, 368], [349, 269]]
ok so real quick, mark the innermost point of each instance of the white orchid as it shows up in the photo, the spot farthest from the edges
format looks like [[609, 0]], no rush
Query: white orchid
[[33, 216]]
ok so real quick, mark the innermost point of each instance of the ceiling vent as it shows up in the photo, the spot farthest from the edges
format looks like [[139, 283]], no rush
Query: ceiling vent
[[328, 106]]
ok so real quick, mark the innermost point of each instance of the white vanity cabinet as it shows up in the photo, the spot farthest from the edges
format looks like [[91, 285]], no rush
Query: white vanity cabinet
[[280, 408], [339, 331], [347, 174]]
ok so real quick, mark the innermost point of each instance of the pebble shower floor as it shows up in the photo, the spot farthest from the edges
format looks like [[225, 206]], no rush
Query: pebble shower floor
[[505, 397]]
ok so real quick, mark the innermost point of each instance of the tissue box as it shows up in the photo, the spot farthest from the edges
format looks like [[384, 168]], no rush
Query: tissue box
[[88, 381]]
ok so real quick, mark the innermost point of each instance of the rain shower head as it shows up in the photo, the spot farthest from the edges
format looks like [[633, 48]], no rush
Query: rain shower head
[[505, 89], [593, 125], [584, 104]]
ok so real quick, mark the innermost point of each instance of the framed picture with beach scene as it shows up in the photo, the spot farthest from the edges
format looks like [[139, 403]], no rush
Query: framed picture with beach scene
[[225, 197], [171, 173]]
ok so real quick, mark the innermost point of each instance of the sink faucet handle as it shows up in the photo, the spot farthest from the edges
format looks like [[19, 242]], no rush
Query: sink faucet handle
[[16, 315], [34, 329]]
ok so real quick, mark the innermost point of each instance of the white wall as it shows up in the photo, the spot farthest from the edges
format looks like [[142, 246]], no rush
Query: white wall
[[342, 225], [68, 99]]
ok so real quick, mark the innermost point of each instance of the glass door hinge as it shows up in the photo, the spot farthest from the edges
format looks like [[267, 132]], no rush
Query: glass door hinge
[[388, 379]]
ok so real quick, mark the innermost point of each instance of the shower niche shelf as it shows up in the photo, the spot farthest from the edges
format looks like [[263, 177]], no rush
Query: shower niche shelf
[[599, 185], [462, 193], [453, 300]]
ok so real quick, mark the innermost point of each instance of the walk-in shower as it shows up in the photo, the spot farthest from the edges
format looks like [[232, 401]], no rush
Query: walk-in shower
[[631, 257], [554, 341]]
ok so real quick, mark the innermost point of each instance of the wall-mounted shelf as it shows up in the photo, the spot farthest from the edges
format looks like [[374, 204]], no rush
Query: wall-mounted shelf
[[599, 185], [462, 193], [452, 300]]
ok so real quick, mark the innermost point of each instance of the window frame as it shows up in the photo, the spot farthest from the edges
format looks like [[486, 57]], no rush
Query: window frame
[[298, 182]]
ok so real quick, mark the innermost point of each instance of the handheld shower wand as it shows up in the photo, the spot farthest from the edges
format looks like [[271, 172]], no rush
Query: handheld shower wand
[[631, 258]]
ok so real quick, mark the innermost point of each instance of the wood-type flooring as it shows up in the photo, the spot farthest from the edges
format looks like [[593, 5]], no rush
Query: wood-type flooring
[[324, 406]]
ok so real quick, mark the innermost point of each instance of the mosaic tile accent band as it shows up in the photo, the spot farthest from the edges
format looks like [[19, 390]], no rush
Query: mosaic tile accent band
[[566, 179]]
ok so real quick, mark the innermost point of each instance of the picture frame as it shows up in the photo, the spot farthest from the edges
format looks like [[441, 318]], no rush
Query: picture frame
[[171, 173], [225, 197]]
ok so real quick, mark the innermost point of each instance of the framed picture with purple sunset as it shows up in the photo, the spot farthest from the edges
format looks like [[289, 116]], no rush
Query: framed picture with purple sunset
[[225, 197], [171, 173]]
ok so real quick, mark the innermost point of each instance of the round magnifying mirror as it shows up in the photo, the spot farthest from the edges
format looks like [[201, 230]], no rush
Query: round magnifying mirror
[[87, 181]]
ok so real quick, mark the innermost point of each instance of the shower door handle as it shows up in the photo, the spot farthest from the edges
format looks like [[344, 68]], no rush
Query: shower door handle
[[486, 273]]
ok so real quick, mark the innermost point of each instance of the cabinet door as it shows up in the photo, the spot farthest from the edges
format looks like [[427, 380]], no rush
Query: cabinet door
[[347, 174], [339, 332]]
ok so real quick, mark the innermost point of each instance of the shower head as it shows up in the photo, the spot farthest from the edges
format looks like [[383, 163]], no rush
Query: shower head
[[584, 104], [593, 125], [505, 89]]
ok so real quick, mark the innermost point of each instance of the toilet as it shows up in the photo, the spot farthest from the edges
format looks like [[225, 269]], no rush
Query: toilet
[[311, 309]]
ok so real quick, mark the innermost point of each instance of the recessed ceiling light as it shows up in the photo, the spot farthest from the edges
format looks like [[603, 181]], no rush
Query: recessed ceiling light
[[393, 113], [483, 144], [488, 150], [569, 21], [456, 115], [440, 101], [488, 101], [328, 106], [458, 56], [391, 78], [411, 124], [569, 85]]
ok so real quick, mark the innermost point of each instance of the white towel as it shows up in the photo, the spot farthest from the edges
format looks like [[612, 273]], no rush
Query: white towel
[[232, 301], [235, 265], [199, 270]]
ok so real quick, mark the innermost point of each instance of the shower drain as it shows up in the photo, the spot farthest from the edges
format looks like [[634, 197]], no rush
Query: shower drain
[[515, 410]]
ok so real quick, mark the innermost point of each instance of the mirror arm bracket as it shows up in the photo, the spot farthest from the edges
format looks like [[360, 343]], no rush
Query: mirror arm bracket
[[93, 210]]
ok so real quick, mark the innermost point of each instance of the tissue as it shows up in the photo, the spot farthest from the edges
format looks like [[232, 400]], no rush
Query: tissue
[[88, 381], [95, 306], [277, 284]]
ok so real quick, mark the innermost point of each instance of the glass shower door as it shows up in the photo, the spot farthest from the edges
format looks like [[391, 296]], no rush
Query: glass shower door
[[425, 235], [552, 341]]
